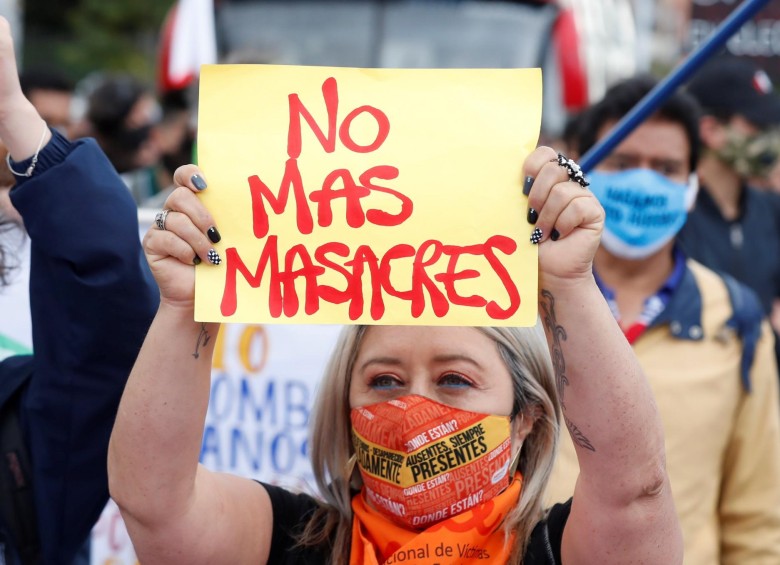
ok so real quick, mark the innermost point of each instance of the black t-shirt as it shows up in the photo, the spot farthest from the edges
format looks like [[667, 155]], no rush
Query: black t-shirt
[[292, 511]]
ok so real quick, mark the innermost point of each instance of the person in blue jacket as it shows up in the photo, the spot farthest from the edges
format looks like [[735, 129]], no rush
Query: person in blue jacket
[[92, 299]]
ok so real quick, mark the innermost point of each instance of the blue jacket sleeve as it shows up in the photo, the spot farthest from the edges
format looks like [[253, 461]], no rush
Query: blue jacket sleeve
[[92, 299]]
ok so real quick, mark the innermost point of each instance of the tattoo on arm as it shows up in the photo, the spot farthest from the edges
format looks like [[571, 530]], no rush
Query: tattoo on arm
[[203, 340], [557, 336]]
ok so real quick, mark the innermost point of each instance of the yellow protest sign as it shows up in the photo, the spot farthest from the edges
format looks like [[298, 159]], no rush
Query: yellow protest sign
[[368, 195]]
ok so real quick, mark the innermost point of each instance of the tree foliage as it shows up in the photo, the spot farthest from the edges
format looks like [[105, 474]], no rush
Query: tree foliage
[[82, 36]]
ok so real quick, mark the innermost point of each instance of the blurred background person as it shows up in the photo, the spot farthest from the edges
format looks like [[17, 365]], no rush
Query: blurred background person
[[174, 135], [734, 227], [121, 114], [699, 337], [91, 301], [51, 92]]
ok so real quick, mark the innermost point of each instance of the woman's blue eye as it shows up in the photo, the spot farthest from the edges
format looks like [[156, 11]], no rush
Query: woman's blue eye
[[454, 380], [384, 382]]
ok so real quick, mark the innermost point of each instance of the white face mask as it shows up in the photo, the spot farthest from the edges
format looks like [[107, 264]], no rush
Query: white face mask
[[645, 210]]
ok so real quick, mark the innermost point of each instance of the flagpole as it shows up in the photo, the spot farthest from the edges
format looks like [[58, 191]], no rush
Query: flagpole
[[668, 85]]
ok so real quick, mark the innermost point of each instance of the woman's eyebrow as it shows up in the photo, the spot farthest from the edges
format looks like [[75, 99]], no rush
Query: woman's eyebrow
[[381, 361], [447, 358], [443, 358]]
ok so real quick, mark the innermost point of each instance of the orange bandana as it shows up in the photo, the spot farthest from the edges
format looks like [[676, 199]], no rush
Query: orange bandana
[[475, 536], [422, 461]]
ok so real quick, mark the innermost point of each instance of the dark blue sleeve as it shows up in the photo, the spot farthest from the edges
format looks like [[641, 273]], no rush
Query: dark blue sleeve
[[92, 299]]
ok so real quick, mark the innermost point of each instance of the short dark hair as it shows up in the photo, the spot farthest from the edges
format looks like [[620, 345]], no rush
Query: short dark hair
[[111, 101], [44, 79], [679, 108]]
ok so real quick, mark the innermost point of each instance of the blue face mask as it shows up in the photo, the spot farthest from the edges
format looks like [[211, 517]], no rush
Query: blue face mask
[[644, 209]]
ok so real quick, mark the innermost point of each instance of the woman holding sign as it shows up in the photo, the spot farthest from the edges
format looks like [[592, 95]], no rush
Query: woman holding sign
[[430, 444]]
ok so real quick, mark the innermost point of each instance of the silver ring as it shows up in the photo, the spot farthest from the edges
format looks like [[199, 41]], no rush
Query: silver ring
[[160, 218], [572, 169]]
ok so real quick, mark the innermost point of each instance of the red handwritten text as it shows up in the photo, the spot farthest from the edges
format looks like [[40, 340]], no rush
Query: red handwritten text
[[334, 257], [285, 273]]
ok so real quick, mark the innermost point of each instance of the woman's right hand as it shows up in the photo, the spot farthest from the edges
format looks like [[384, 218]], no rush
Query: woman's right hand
[[173, 253], [10, 89], [22, 129]]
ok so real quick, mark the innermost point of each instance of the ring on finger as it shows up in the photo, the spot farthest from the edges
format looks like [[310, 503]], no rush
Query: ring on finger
[[572, 169], [160, 218]]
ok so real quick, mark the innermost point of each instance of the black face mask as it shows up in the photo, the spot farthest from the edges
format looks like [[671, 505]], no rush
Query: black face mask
[[131, 139], [181, 156], [122, 145]]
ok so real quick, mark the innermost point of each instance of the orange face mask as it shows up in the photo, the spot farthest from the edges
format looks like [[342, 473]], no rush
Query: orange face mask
[[422, 461]]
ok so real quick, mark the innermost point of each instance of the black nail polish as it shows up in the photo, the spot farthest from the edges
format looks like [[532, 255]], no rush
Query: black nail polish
[[196, 260], [536, 236], [533, 215], [198, 181], [214, 257], [213, 235], [529, 181], [555, 234]]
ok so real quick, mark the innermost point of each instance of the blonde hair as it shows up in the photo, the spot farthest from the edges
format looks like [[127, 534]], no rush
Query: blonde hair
[[525, 353]]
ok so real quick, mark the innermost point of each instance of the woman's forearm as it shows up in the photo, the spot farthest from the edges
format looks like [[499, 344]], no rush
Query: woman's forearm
[[22, 129], [607, 404], [155, 444]]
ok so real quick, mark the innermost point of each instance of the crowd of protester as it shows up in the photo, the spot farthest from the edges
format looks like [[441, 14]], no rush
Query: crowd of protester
[[145, 134], [696, 330], [694, 288]]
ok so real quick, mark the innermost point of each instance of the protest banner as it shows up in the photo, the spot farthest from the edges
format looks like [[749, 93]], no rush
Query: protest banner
[[368, 195]]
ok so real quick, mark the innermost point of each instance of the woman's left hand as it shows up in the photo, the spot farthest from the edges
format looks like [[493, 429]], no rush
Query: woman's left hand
[[185, 241], [569, 216]]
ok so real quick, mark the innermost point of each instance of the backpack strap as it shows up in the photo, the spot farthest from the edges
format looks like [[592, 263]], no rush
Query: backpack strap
[[17, 506], [745, 320]]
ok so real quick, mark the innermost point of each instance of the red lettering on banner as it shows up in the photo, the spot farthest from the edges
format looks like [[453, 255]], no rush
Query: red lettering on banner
[[295, 278], [330, 95], [309, 271], [382, 123], [503, 244], [422, 282], [329, 293], [350, 191], [507, 246], [259, 191], [365, 255], [363, 266], [380, 217], [268, 259]]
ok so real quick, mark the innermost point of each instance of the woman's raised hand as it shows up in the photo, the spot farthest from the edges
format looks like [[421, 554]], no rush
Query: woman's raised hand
[[182, 236], [569, 218], [10, 89], [22, 130]]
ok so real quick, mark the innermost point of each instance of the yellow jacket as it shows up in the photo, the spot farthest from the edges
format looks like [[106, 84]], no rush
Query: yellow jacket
[[722, 442]]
